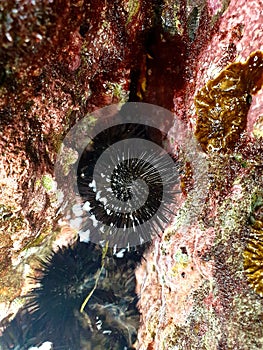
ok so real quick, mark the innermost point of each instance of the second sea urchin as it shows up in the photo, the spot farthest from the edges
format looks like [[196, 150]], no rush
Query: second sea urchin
[[52, 313]]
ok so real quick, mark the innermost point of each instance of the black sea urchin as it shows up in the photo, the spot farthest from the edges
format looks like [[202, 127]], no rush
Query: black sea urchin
[[52, 313], [128, 183]]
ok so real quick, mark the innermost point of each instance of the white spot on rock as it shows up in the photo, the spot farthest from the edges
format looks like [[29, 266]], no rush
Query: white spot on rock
[[75, 223], [77, 210]]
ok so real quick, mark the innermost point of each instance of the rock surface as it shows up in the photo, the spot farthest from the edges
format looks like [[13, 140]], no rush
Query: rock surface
[[201, 287]]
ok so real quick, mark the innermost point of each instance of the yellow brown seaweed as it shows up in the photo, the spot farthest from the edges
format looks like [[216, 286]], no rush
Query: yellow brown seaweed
[[223, 103], [253, 261], [253, 253]]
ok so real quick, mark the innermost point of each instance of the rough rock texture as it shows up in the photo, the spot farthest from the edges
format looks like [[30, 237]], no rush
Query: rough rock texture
[[201, 289], [63, 59], [59, 60]]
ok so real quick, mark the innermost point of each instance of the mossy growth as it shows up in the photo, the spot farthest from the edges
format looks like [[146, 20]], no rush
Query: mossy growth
[[239, 158], [10, 219], [171, 18], [5, 212], [168, 235], [117, 91], [44, 238], [202, 329], [181, 261], [47, 182], [172, 335], [152, 325], [56, 141], [10, 286], [244, 327], [133, 9], [69, 157], [256, 216]]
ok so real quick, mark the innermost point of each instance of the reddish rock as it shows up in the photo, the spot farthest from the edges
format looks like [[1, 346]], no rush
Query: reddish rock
[[194, 290], [63, 59]]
